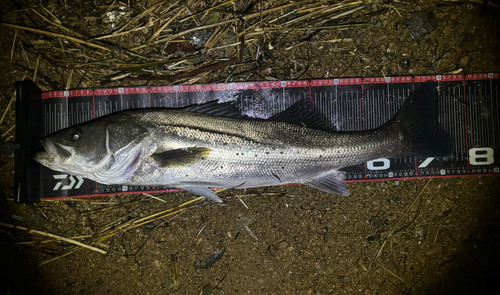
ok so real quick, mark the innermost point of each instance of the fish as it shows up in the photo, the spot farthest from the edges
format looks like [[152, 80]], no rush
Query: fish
[[199, 148]]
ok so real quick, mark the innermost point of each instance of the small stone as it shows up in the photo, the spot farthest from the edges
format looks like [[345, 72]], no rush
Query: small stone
[[448, 31], [376, 221], [308, 253], [283, 245]]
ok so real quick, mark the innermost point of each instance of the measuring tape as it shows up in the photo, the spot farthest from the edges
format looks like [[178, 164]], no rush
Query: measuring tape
[[467, 108]]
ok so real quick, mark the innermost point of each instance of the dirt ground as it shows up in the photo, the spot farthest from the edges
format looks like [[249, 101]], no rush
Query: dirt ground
[[444, 234]]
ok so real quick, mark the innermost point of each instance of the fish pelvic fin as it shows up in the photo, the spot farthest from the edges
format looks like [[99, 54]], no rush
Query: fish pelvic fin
[[202, 191], [332, 182], [417, 123]]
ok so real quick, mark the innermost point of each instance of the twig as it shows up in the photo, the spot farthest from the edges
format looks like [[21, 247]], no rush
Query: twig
[[36, 67], [175, 269], [137, 67], [241, 200], [248, 229], [68, 84], [9, 130], [153, 197], [7, 108], [52, 34], [192, 73], [144, 13], [401, 218], [206, 10], [311, 28], [399, 278], [155, 34], [52, 236], [13, 45]]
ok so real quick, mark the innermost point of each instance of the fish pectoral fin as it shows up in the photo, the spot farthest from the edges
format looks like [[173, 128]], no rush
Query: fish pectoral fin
[[202, 191], [181, 157], [331, 183]]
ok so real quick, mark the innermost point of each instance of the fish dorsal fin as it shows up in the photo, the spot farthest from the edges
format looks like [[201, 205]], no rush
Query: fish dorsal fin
[[214, 108], [181, 157], [332, 182], [303, 113]]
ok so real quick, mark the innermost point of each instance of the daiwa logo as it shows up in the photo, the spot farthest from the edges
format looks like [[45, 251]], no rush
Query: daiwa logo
[[71, 184]]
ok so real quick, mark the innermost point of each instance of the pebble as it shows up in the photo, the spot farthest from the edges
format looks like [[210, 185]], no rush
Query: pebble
[[308, 253], [376, 221], [283, 245]]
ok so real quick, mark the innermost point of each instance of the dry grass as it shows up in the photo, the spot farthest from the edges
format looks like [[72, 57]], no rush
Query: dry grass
[[171, 42]]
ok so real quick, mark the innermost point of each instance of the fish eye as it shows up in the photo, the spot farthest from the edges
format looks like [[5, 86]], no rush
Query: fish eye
[[75, 135]]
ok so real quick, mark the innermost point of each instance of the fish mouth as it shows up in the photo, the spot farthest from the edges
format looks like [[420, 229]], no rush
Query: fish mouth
[[54, 152]]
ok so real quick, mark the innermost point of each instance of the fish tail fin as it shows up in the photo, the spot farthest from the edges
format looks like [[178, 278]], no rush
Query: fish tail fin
[[418, 125]]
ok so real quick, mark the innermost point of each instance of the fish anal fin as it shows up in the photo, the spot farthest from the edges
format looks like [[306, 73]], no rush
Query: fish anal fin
[[332, 182], [181, 157]]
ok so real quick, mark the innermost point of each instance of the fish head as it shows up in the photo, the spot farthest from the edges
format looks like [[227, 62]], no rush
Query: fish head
[[107, 151]]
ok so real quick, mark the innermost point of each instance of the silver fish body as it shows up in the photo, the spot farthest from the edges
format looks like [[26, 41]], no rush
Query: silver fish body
[[196, 152]]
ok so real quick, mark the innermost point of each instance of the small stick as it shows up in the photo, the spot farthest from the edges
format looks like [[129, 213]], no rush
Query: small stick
[[155, 34], [241, 200], [144, 13], [401, 218], [249, 195], [217, 66], [311, 28], [53, 236], [52, 34], [175, 269], [153, 197], [75, 249], [248, 229], [399, 278], [123, 33], [7, 108], [10, 129], [206, 10], [192, 201], [108, 9], [68, 84], [13, 45], [36, 67], [230, 45]]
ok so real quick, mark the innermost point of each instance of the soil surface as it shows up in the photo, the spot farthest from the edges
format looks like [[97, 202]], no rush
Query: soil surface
[[438, 236]]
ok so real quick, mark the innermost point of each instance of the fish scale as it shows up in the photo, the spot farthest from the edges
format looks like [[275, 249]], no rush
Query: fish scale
[[252, 153]]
